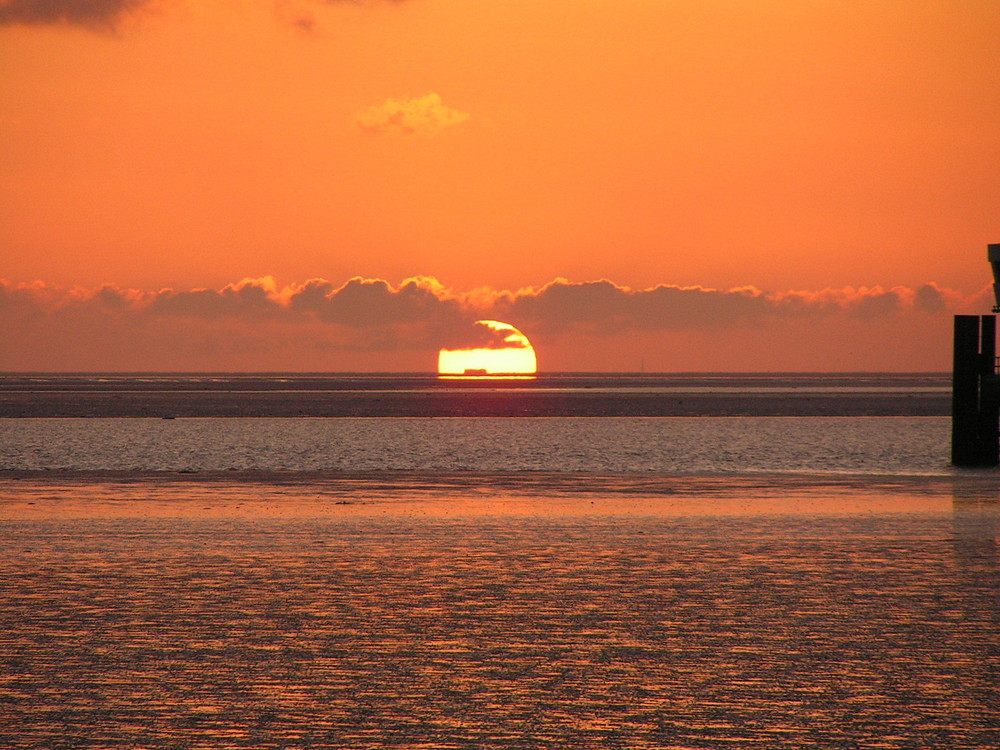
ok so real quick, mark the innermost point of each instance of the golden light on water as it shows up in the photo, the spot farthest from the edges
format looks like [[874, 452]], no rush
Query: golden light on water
[[509, 353]]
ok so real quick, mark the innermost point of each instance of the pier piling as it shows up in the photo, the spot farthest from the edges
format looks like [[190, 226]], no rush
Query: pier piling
[[975, 424]]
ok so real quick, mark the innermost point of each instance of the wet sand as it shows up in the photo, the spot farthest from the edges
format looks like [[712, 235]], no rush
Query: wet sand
[[549, 395], [514, 403], [267, 611], [41, 494]]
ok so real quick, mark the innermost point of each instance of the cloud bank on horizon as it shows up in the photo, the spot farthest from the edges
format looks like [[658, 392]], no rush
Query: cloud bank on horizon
[[320, 319]]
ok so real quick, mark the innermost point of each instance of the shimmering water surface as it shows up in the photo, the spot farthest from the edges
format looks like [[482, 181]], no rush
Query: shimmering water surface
[[495, 582], [325, 627], [880, 445]]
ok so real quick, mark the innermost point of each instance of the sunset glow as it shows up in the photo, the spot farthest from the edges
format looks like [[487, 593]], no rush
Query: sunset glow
[[511, 354], [667, 184]]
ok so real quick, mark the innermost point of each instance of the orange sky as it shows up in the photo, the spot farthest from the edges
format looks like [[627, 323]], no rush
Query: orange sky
[[776, 144]]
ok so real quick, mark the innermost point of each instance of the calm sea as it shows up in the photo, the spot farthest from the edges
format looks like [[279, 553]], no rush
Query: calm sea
[[494, 581], [613, 445], [891, 424]]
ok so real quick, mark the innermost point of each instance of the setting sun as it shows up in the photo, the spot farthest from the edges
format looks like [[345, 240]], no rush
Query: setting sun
[[317, 185], [500, 349]]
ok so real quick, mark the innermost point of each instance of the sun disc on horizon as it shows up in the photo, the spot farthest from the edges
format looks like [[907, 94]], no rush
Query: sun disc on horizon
[[499, 349]]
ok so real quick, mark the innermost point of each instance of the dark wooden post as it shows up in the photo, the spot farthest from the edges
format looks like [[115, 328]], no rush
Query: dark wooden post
[[965, 392], [975, 403], [989, 398]]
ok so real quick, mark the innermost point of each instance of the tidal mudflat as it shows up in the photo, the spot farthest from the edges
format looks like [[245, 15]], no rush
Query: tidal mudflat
[[203, 612]]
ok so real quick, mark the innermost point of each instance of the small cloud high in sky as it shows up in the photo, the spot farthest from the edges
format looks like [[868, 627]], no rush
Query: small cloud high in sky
[[697, 184], [419, 115]]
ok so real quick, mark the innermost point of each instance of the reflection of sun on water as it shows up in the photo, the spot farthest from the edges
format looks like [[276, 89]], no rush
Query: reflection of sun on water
[[509, 353]]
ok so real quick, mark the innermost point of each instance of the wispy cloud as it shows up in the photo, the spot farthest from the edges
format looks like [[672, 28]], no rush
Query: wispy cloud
[[107, 15], [94, 14], [422, 115], [301, 14]]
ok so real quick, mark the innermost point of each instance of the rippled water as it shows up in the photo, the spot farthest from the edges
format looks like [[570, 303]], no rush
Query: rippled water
[[880, 445], [315, 631], [504, 583]]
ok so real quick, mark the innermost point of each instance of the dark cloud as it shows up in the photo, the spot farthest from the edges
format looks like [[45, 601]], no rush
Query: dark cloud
[[418, 313], [250, 298], [370, 324], [875, 303], [373, 315], [481, 335], [312, 297], [602, 307], [95, 14], [373, 302], [930, 299], [108, 14]]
